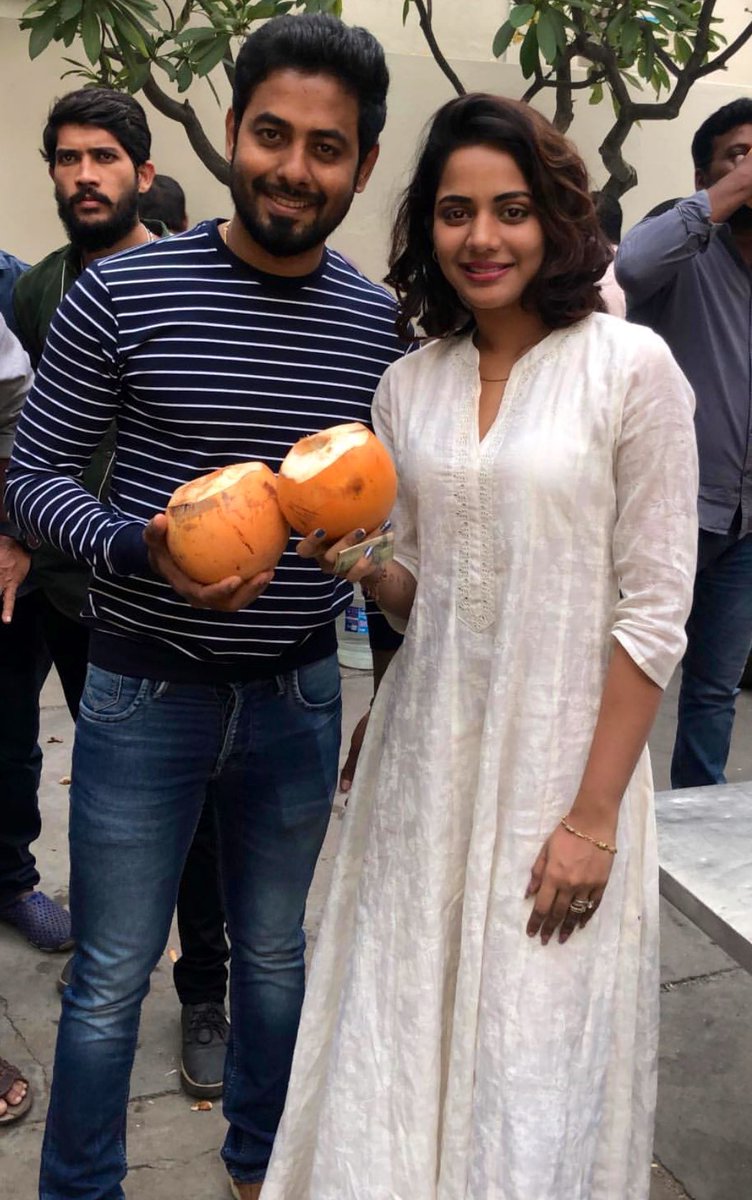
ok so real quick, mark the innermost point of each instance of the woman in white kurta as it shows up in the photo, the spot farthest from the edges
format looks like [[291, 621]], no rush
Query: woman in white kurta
[[451, 1048]]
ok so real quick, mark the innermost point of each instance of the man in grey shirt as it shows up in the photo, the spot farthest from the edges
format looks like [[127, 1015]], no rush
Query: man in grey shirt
[[687, 274], [15, 380]]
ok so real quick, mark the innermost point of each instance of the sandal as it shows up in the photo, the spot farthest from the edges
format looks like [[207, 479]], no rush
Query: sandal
[[43, 922], [241, 1190], [8, 1076]]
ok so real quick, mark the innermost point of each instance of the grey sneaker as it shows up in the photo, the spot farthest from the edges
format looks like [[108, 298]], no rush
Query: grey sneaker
[[204, 1040]]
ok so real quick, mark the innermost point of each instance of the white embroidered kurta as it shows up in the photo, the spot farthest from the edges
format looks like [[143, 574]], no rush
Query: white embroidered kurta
[[443, 1054]]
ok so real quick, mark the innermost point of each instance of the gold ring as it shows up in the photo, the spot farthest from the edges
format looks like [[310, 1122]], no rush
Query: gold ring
[[580, 905]]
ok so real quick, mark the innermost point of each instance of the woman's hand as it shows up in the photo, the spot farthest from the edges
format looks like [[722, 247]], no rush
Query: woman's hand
[[568, 869], [317, 546]]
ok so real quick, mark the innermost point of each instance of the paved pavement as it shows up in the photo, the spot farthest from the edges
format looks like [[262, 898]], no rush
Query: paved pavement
[[703, 1146]]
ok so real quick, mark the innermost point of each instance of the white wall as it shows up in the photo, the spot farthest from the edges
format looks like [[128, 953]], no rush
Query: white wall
[[660, 151]]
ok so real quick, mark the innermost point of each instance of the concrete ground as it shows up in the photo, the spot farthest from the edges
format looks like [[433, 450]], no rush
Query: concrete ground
[[703, 1146]]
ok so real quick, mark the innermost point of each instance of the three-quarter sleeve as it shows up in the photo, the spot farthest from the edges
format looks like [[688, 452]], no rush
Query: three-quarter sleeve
[[655, 536]]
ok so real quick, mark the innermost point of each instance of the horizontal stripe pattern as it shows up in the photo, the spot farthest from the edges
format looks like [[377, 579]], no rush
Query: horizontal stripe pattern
[[201, 361]]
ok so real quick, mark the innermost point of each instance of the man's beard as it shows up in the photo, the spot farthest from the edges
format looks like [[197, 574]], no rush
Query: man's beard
[[277, 235], [93, 235]]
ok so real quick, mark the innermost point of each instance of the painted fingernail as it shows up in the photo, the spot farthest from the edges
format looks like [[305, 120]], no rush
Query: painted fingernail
[[387, 525], [359, 535], [319, 533], [563, 937], [368, 552]]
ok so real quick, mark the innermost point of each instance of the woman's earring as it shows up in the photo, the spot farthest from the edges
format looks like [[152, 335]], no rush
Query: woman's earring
[[433, 255]]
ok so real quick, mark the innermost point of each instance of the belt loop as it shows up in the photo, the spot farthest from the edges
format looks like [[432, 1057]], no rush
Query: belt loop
[[280, 682]]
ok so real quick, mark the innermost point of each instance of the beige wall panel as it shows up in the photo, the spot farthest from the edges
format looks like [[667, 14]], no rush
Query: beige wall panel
[[28, 222]]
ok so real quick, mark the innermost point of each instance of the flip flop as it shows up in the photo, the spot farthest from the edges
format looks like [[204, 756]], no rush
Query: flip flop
[[8, 1076]]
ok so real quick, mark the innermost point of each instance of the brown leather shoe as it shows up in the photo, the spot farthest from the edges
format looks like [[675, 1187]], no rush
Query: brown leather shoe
[[245, 1191]]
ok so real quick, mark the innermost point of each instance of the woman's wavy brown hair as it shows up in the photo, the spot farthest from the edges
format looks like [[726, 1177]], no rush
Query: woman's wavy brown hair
[[576, 252]]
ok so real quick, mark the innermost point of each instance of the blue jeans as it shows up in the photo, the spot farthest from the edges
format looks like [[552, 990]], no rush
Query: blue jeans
[[145, 758], [719, 636]]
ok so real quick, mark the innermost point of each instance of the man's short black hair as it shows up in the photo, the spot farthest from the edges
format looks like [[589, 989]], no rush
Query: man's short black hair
[[317, 44], [609, 214], [165, 202], [738, 112], [117, 112]]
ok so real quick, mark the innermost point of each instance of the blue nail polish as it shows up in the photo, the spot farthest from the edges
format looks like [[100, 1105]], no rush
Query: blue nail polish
[[368, 552], [387, 525], [319, 533], [359, 535]]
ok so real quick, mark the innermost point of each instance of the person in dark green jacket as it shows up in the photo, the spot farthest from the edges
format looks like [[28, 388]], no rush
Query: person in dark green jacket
[[97, 145]]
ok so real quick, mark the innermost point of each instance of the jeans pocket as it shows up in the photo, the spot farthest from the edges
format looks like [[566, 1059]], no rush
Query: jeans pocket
[[111, 697], [317, 685]]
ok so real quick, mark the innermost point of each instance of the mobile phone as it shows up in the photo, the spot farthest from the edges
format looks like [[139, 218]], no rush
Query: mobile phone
[[383, 550]]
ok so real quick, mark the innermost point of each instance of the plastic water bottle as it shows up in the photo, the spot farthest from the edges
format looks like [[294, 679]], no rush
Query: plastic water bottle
[[353, 647]]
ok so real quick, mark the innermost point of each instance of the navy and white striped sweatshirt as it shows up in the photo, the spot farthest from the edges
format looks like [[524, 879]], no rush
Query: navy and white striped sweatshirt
[[201, 361]]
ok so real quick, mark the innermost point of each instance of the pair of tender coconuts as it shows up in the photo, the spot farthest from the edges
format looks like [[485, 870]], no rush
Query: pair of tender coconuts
[[236, 521]]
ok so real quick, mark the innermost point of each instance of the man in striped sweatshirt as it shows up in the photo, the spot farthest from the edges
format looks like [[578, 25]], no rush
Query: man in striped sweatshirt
[[225, 343]]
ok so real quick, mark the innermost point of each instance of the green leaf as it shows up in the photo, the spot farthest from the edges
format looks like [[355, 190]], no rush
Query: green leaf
[[91, 32], [136, 8], [136, 11], [561, 24], [212, 57], [596, 94], [682, 50], [185, 77], [502, 40], [42, 33], [184, 15], [520, 15], [547, 42], [199, 33], [529, 59], [630, 38], [68, 31], [69, 8], [39, 6], [129, 34], [405, 11], [614, 26], [138, 76]]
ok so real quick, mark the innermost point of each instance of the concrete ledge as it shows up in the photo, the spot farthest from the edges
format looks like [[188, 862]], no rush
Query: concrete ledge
[[705, 847]]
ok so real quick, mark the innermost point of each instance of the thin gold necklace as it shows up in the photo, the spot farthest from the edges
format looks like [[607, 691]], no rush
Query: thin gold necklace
[[518, 355]]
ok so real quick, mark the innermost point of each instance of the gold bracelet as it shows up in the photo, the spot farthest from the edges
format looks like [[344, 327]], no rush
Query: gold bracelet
[[587, 838]]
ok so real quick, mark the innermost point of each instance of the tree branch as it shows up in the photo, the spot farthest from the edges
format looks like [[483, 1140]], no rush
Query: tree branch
[[228, 66], [564, 114], [717, 63], [186, 116], [667, 60], [424, 16], [539, 82]]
